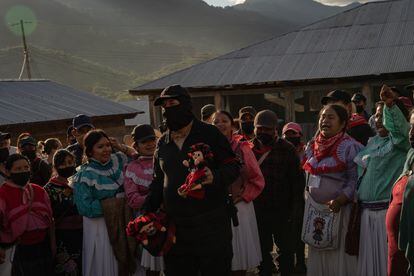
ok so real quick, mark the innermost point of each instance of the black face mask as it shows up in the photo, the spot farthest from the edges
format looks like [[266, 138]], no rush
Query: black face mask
[[247, 127], [359, 108], [73, 141], [294, 140], [265, 138], [4, 154], [178, 116], [29, 154], [66, 172], [21, 178]]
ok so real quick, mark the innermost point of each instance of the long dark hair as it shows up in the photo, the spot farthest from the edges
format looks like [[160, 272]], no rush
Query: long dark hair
[[227, 114], [60, 156], [91, 139], [13, 158], [340, 111]]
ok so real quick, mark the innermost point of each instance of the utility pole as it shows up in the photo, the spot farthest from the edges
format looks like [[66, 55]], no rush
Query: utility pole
[[26, 52], [26, 56]]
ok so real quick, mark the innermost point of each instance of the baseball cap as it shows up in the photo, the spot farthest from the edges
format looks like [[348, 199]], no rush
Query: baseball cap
[[143, 132], [208, 110], [336, 95], [172, 92], [4, 136], [82, 120], [357, 97], [27, 140], [293, 127], [266, 118], [247, 110]]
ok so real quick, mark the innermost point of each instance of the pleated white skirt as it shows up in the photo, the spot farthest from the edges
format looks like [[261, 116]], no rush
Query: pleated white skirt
[[246, 243], [150, 262], [373, 249], [6, 267], [333, 262], [97, 256]]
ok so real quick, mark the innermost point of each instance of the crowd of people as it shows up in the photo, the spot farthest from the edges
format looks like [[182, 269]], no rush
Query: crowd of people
[[215, 196]]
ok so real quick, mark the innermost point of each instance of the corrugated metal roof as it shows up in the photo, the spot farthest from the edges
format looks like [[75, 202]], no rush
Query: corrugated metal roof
[[42, 100], [371, 39]]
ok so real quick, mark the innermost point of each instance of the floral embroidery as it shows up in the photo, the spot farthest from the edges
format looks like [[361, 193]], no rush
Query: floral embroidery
[[65, 262]]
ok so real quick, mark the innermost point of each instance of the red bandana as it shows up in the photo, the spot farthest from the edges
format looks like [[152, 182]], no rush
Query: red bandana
[[324, 147]]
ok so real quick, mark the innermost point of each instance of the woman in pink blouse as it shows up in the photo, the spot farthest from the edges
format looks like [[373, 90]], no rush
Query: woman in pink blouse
[[25, 221], [246, 244]]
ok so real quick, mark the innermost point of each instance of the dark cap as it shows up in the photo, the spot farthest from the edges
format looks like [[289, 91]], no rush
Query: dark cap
[[172, 92], [357, 97], [336, 95], [27, 140], [247, 110], [208, 110], [266, 118], [4, 136], [143, 132], [82, 120]]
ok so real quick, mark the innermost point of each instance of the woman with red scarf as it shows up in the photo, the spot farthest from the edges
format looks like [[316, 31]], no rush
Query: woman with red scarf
[[331, 180]]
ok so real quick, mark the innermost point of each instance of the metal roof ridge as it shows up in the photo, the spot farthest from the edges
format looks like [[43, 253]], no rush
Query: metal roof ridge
[[300, 29]]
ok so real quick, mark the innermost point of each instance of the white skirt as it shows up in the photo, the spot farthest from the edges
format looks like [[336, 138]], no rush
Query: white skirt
[[97, 256], [6, 267], [152, 263], [373, 249], [333, 262], [246, 244]]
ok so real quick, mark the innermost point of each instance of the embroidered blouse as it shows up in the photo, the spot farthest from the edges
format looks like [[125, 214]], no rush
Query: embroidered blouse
[[64, 210], [138, 177], [96, 181], [25, 214], [250, 182], [333, 175], [384, 157]]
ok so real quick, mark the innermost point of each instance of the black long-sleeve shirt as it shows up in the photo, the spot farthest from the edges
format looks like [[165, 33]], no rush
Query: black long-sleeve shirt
[[170, 173], [203, 226]]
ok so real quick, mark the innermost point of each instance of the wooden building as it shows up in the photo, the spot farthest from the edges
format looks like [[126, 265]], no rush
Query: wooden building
[[357, 50], [45, 109]]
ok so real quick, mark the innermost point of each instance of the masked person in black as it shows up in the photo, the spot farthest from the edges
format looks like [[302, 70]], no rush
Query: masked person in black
[[40, 170], [246, 118], [280, 204], [203, 231], [82, 124]]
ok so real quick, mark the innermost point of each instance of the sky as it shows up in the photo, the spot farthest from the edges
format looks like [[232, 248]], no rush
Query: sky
[[223, 3]]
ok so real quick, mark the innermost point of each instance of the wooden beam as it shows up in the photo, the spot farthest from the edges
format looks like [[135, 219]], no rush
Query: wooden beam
[[289, 106], [218, 101]]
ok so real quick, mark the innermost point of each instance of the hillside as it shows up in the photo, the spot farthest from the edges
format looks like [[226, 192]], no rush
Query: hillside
[[108, 46], [304, 11]]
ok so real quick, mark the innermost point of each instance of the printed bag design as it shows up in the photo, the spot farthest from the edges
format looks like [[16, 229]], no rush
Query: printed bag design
[[321, 226]]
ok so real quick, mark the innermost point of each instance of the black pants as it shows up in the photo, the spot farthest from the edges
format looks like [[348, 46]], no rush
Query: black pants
[[272, 228], [183, 265]]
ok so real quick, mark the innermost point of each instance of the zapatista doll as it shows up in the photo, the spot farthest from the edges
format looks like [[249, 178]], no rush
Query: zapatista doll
[[200, 156], [154, 231]]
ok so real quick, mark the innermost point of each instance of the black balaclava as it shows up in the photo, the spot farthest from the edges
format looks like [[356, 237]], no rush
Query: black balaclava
[[178, 116], [247, 127], [4, 154]]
